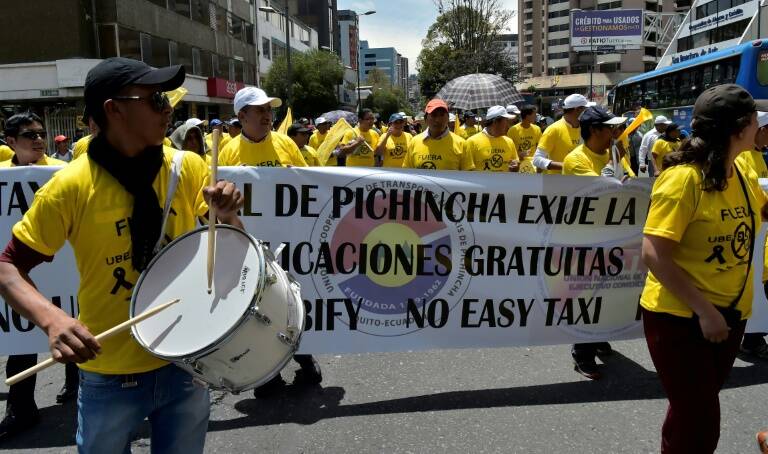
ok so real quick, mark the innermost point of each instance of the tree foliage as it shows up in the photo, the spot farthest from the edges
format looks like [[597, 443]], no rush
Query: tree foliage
[[465, 39], [385, 99], [316, 75]]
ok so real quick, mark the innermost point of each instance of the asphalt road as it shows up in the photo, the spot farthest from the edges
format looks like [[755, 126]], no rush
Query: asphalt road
[[514, 400]]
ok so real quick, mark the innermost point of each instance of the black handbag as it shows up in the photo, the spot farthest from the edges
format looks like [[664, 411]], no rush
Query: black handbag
[[732, 315]]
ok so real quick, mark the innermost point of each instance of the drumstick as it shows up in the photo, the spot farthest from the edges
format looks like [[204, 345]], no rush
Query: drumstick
[[211, 209], [103, 336]]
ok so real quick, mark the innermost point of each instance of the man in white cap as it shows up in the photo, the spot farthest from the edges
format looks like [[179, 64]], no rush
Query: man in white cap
[[588, 159], [561, 137], [491, 149], [649, 138], [322, 125], [257, 144], [514, 110]]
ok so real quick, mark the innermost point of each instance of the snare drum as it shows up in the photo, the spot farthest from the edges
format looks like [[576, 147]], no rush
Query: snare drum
[[243, 333]]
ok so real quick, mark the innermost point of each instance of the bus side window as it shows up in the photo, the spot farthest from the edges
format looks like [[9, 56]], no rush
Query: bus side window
[[684, 89], [731, 71], [651, 93], [667, 91], [707, 76], [697, 83]]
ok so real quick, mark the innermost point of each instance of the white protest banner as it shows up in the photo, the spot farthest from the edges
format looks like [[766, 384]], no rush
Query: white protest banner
[[406, 260], [57, 280]]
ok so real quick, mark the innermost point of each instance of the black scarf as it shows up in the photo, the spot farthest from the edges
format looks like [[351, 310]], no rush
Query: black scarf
[[136, 175]]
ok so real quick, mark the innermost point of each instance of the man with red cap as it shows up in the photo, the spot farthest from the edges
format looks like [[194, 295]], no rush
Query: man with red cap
[[62, 151], [437, 148]]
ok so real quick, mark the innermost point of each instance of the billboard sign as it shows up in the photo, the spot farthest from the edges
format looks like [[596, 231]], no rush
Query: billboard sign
[[609, 30]]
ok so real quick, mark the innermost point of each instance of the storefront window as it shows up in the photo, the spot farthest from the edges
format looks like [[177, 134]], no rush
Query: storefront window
[[107, 41], [129, 43]]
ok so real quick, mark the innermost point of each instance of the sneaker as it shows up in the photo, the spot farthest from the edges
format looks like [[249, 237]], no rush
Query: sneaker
[[14, 423], [761, 351], [67, 393], [309, 374], [604, 349], [762, 441], [587, 369], [270, 388]]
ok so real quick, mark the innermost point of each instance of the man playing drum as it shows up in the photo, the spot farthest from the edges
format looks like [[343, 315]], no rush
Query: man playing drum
[[108, 205]]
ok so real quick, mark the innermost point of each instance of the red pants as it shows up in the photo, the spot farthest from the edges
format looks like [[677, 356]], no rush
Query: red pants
[[692, 370]]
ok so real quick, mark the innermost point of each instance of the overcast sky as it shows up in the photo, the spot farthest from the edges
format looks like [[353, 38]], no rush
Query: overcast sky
[[401, 24]]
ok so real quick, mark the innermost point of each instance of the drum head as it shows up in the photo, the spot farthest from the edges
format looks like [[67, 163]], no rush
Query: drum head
[[200, 320]]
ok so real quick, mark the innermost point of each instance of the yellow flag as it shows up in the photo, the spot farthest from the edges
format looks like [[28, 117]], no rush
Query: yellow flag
[[175, 96], [287, 121], [457, 126], [335, 134], [641, 118]]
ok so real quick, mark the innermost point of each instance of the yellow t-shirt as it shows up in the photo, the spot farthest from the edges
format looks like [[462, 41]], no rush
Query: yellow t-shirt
[[310, 156], [445, 153], [363, 156], [81, 146], [526, 140], [558, 140], [6, 152], [584, 162], [84, 204], [662, 148], [44, 161], [225, 138], [754, 159], [491, 154], [317, 139], [275, 150], [469, 131], [396, 149], [709, 227]]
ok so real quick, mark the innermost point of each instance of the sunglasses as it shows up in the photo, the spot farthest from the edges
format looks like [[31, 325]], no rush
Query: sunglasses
[[158, 100], [33, 135]]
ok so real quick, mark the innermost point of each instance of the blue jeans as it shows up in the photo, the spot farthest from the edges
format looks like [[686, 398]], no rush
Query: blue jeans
[[110, 409]]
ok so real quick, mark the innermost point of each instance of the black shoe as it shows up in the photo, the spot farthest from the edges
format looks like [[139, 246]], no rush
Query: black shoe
[[14, 423], [270, 388], [67, 392], [309, 374], [604, 349], [587, 369]]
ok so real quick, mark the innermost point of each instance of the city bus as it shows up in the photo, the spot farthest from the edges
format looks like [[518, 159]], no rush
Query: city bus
[[672, 91]]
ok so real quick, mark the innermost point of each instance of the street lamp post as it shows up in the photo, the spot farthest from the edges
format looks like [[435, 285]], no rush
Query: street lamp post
[[289, 75], [594, 58], [357, 64]]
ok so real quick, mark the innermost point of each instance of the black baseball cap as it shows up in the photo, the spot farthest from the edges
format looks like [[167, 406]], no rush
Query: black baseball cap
[[112, 74], [298, 128], [597, 115], [723, 105]]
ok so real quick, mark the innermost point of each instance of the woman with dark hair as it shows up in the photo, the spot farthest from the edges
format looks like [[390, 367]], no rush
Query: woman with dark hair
[[668, 142], [698, 243]]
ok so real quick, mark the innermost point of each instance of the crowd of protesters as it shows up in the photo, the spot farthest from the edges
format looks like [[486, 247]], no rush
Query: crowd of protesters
[[694, 308]]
